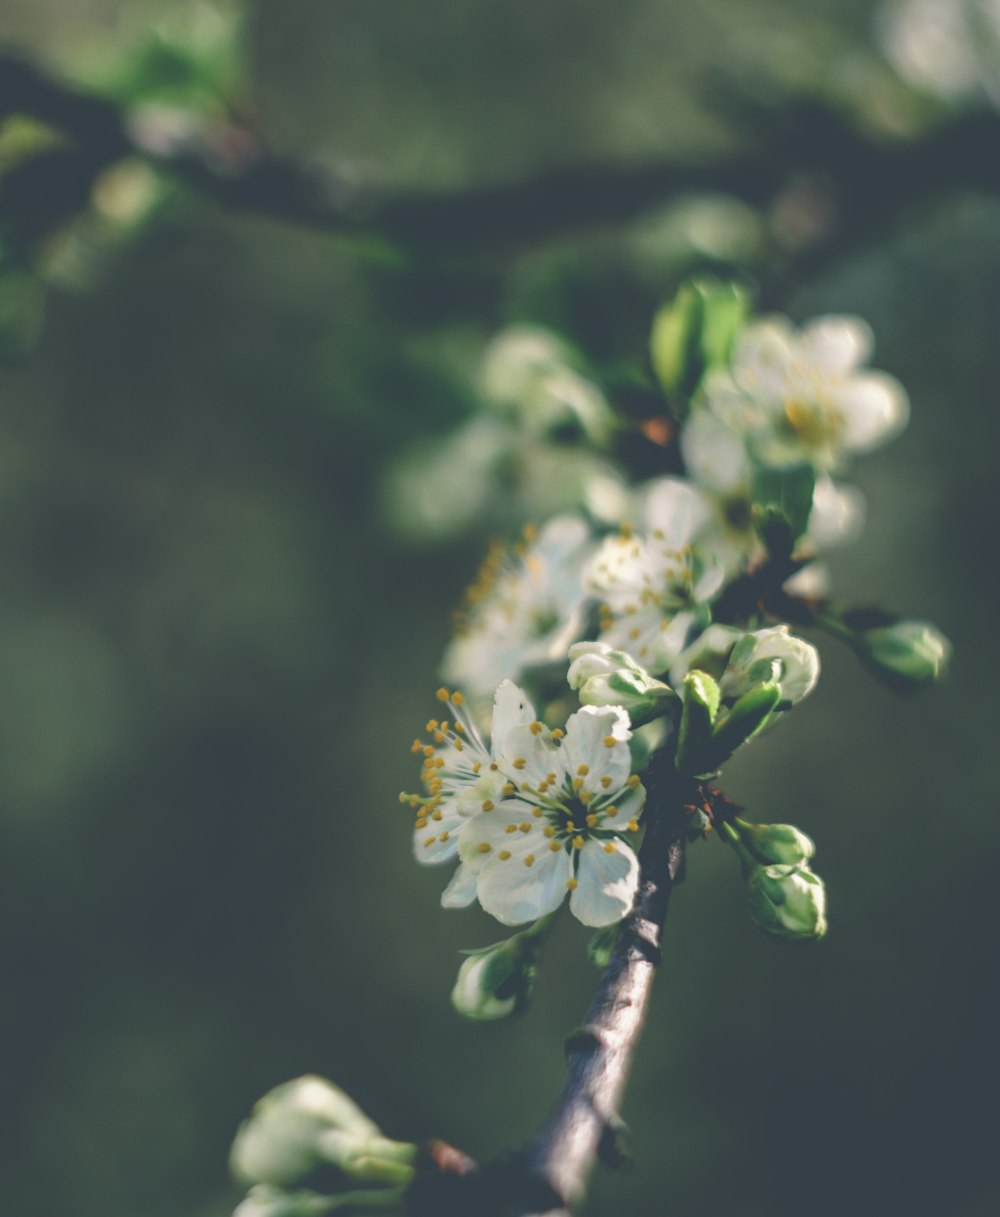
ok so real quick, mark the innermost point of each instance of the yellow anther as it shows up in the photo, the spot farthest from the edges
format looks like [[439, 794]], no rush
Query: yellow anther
[[476, 766], [484, 847], [571, 885], [487, 804], [537, 728], [529, 532], [548, 831], [525, 826], [558, 733], [436, 785], [503, 855], [583, 770], [609, 848], [537, 813], [460, 728], [429, 841], [634, 632], [519, 762], [428, 750], [633, 825], [578, 783], [591, 821], [438, 762], [578, 842], [436, 814], [442, 694], [585, 797], [633, 781], [457, 699], [529, 859], [611, 811], [550, 778], [570, 826], [494, 766], [444, 835], [555, 846], [417, 746], [421, 823], [609, 741], [432, 725], [459, 745], [510, 828], [508, 789], [404, 797]]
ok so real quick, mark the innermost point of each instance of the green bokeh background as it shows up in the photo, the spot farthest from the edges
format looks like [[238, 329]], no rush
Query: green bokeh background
[[214, 654]]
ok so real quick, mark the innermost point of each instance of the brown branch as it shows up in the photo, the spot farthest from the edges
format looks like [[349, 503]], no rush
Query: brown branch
[[584, 1118], [865, 183]]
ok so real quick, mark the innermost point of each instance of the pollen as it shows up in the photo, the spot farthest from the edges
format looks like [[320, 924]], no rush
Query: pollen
[[633, 781], [591, 821], [578, 783], [609, 741], [537, 813], [558, 733], [605, 781], [442, 694], [444, 835], [510, 828], [571, 885], [460, 728], [487, 805], [550, 778], [484, 847], [633, 825], [429, 841], [610, 848], [583, 770], [508, 789], [525, 827], [457, 699], [555, 846], [503, 855], [578, 842], [611, 810], [529, 859], [537, 728], [421, 823], [436, 814], [476, 766], [548, 831], [519, 762]]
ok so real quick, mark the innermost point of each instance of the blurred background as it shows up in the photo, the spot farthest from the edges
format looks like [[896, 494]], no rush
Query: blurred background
[[222, 608]]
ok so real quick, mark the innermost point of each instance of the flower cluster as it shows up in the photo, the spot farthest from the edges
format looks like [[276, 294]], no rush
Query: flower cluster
[[667, 627]]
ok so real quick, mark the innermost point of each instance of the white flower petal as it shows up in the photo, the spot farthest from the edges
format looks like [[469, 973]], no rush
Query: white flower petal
[[837, 516], [874, 408], [528, 884], [437, 841], [836, 345], [528, 756], [676, 509], [714, 454], [597, 739], [607, 883], [511, 707], [461, 891], [488, 832]]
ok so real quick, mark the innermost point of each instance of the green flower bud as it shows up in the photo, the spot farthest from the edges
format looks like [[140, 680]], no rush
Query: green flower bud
[[771, 656], [701, 705], [307, 1123], [497, 981], [776, 843], [788, 902], [266, 1201], [907, 656], [606, 677]]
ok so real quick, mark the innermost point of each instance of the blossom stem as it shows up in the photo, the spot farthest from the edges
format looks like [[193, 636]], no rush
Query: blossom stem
[[584, 1117]]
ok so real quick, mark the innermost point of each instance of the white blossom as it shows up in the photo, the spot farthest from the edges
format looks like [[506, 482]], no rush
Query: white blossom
[[655, 585], [803, 396], [523, 611], [950, 48], [559, 823]]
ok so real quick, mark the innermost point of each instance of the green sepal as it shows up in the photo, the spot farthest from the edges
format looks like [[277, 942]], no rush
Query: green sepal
[[600, 947], [750, 714], [782, 501], [701, 706]]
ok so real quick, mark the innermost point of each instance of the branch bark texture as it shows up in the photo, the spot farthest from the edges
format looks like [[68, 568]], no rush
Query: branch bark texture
[[583, 1122]]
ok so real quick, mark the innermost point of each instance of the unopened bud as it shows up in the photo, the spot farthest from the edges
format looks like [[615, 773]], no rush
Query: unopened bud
[[266, 1201], [606, 677], [776, 843], [771, 656], [907, 656], [694, 333], [307, 1123], [788, 902], [497, 981]]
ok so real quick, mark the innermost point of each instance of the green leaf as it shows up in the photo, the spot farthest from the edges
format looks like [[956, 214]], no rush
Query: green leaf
[[783, 498], [744, 720], [701, 705]]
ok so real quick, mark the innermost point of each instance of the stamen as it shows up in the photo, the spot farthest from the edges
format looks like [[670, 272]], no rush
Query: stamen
[[571, 885], [610, 848], [578, 842], [503, 855], [609, 741], [555, 846], [484, 847], [529, 860], [583, 770], [519, 762]]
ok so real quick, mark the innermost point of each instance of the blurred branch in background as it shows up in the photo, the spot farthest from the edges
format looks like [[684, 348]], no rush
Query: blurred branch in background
[[805, 158]]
